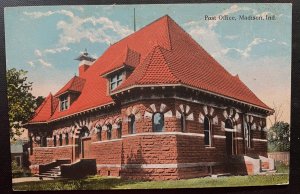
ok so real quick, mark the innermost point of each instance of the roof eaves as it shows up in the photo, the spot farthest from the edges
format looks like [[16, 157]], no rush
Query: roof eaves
[[106, 74], [194, 88]]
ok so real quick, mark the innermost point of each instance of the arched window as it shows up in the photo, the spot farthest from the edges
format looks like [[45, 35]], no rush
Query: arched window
[[109, 128], [31, 145], [60, 140], [131, 124], [54, 140], [228, 124], [119, 129], [249, 136], [158, 122], [67, 139], [183, 122], [229, 137], [84, 132], [44, 141], [99, 133], [207, 132]]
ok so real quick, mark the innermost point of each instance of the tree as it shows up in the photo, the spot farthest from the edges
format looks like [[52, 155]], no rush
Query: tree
[[277, 114], [279, 137], [21, 103]]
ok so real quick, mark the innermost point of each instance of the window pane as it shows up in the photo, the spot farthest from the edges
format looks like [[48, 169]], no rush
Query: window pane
[[158, 122], [118, 76], [206, 131], [54, 141], [109, 127], [67, 139], [119, 82], [119, 130], [113, 86], [114, 79], [183, 123], [131, 124]]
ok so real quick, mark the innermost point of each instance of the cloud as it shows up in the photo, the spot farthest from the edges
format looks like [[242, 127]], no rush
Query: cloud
[[37, 14], [256, 41], [44, 63], [231, 37], [56, 50], [38, 53], [100, 29], [75, 29], [31, 63]]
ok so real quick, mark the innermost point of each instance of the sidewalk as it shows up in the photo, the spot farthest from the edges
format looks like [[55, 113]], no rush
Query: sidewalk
[[28, 179]]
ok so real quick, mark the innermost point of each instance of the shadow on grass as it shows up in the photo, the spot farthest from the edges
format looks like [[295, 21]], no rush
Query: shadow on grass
[[89, 183]]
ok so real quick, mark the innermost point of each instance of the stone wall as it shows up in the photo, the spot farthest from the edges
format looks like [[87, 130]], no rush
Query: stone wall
[[171, 154]]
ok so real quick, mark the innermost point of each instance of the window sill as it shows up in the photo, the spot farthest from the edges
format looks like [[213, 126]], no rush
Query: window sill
[[210, 147]]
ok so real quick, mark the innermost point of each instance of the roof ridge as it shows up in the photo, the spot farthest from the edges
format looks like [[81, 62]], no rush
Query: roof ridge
[[168, 31]]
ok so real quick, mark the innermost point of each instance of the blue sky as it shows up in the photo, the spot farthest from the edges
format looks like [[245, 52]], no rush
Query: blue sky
[[46, 40]]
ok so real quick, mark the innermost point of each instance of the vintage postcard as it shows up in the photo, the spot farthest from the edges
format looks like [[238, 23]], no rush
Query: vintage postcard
[[149, 96]]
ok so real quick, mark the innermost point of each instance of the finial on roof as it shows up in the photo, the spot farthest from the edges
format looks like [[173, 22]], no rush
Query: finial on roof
[[85, 52]]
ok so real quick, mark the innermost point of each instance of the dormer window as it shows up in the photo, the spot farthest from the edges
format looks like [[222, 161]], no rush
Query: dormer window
[[64, 103], [115, 81]]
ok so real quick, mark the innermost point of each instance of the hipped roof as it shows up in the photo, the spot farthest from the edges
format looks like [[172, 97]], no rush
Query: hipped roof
[[161, 53]]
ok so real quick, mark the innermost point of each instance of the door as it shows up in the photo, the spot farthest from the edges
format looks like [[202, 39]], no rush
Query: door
[[85, 150], [229, 145], [230, 134], [80, 143]]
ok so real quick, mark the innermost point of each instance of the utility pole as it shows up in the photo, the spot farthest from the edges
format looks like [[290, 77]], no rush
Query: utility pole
[[134, 27]]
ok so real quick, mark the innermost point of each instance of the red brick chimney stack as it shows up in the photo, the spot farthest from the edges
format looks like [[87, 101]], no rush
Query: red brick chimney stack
[[85, 62]]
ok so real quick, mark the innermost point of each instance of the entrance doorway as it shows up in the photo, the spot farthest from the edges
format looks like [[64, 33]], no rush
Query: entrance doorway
[[80, 143], [230, 135]]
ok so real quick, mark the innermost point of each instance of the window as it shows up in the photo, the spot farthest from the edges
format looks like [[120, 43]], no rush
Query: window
[[60, 140], [262, 134], [99, 131], [109, 128], [67, 139], [64, 103], [54, 141], [44, 141], [115, 81], [119, 129], [249, 135], [131, 124], [207, 132], [158, 122], [183, 123], [30, 145], [84, 132], [18, 159]]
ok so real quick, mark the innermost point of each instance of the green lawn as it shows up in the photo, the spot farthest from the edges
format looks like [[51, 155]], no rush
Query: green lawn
[[97, 183]]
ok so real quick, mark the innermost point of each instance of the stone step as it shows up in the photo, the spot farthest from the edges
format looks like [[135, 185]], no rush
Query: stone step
[[52, 170]]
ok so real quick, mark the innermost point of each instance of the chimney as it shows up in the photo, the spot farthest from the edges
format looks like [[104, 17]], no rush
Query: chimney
[[85, 62], [82, 68]]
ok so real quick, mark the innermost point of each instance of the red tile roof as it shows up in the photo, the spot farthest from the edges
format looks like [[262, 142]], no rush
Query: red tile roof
[[162, 53], [128, 57], [44, 111], [75, 85]]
